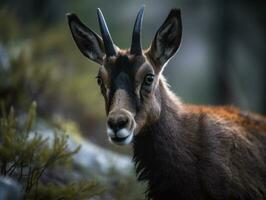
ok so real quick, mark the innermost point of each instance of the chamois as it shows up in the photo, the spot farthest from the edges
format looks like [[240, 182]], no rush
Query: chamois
[[182, 151]]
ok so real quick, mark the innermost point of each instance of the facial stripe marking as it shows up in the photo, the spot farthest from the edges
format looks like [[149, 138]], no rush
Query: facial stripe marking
[[120, 99]]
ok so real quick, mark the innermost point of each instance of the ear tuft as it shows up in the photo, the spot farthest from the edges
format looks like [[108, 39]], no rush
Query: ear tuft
[[175, 12], [71, 15]]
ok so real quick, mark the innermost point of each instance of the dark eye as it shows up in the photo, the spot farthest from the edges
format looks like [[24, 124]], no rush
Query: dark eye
[[149, 79], [99, 80]]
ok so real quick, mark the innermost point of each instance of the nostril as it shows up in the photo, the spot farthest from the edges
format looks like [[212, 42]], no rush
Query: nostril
[[118, 123], [122, 123], [111, 123]]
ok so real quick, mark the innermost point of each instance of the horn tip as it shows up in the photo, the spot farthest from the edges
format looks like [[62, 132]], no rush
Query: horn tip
[[141, 11], [99, 11]]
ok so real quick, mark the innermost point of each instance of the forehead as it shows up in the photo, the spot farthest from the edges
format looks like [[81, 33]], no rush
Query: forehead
[[124, 64]]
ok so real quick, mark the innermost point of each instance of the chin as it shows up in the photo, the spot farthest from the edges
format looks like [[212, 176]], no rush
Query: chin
[[122, 141]]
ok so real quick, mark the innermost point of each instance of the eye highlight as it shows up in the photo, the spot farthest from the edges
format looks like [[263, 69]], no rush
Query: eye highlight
[[148, 80], [99, 80]]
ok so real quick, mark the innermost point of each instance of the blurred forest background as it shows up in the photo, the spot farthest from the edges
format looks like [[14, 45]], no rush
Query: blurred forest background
[[221, 61]]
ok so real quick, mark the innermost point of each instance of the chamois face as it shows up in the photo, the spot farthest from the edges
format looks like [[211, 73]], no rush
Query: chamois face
[[129, 80], [128, 84]]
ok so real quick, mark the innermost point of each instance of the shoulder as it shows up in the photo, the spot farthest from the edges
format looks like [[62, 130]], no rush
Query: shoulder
[[229, 115]]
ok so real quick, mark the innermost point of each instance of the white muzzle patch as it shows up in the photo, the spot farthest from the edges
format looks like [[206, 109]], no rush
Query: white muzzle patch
[[122, 137]]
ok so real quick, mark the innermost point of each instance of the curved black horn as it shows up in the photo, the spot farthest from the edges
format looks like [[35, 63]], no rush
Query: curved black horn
[[136, 41], [107, 39]]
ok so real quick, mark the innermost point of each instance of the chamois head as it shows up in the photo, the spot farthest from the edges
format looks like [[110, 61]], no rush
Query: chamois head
[[129, 79]]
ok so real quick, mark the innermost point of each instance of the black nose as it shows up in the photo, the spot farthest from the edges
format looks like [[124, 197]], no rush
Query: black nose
[[117, 122]]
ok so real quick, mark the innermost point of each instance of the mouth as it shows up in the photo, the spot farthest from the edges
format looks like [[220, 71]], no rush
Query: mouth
[[122, 140]]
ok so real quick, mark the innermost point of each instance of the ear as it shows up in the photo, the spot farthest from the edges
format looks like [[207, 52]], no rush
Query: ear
[[88, 42], [167, 39]]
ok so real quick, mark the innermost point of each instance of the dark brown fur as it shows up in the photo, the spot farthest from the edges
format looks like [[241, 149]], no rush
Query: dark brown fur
[[196, 152]]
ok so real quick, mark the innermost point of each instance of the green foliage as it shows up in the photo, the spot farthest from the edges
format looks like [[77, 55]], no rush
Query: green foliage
[[48, 68], [26, 155], [74, 191]]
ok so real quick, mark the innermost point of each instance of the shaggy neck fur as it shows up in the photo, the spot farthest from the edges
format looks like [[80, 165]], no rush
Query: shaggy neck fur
[[162, 152], [186, 155]]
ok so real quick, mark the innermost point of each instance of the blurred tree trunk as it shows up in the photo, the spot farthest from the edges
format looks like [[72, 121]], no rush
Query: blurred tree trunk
[[221, 51], [45, 11], [262, 22], [237, 24]]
